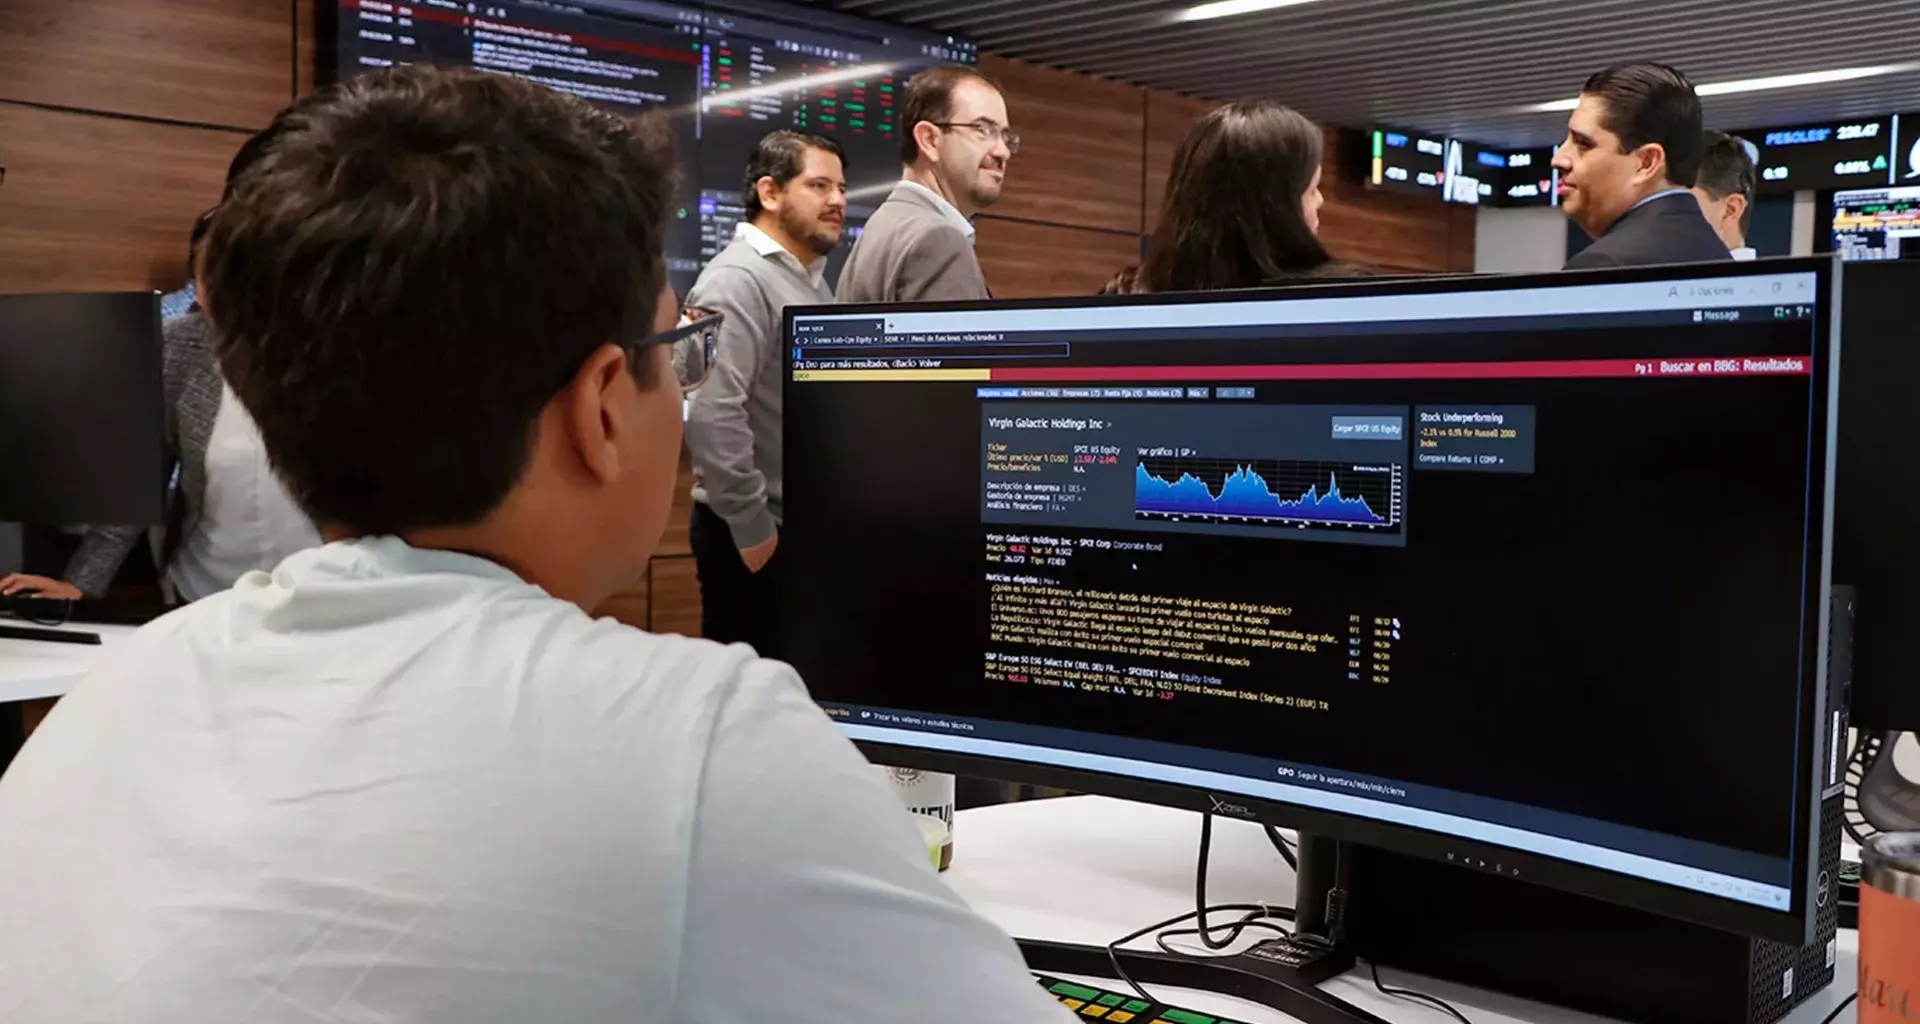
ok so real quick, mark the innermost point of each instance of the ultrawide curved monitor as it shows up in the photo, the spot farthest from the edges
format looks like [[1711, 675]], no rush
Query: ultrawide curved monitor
[[1523, 571]]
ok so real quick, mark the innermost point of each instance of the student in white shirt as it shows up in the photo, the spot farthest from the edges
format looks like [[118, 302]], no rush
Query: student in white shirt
[[405, 778]]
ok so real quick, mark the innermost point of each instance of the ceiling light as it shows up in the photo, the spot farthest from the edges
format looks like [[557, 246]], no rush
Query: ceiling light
[[1757, 84], [1229, 8]]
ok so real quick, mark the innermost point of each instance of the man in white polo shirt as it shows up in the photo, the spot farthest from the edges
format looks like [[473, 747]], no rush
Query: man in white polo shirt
[[405, 777]]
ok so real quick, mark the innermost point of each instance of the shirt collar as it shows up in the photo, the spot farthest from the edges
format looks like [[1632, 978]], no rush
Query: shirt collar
[[1744, 253], [940, 202], [1662, 194], [763, 243]]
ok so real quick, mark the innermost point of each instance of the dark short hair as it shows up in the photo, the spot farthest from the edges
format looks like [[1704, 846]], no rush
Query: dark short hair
[[780, 156], [1646, 103], [1232, 216], [419, 261], [1726, 168], [929, 97], [246, 156]]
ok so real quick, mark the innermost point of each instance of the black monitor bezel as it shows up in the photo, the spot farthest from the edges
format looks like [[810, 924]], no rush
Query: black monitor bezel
[[1794, 926]]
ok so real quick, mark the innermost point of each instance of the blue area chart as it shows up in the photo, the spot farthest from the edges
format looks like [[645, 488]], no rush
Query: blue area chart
[[1278, 493]]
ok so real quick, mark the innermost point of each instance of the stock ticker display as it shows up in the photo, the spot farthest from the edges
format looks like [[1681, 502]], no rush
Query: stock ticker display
[[1323, 539], [1877, 223], [724, 72]]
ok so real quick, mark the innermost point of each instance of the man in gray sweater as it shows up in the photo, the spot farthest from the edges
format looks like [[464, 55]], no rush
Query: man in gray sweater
[[918, 246], [796, 198]]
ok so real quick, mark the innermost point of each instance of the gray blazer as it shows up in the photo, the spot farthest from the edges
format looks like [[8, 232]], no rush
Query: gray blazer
[[911, 252], [191, 380]]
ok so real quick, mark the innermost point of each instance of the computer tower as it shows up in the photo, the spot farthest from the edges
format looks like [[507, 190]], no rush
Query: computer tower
[[1576, 951], [1468, 926]]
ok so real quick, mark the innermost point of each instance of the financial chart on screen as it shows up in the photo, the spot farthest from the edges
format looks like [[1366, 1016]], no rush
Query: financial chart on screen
[[1877, 223], [1430, 558], [725, 73]]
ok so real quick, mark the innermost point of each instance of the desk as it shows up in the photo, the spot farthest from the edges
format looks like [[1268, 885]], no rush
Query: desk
[[1091, 869], [31, 669]]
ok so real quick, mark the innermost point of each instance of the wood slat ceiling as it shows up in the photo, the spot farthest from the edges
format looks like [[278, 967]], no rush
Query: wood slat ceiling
[[1463, 67]]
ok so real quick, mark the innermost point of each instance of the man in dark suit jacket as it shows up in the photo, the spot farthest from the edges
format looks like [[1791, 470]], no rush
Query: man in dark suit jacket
[[954, 150], [1633, 150]]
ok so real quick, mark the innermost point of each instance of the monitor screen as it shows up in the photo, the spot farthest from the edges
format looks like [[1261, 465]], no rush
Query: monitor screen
[[1530, 562], [726, 72], [82, 420], [1849, 154], [1407, 161], [1877, 223]]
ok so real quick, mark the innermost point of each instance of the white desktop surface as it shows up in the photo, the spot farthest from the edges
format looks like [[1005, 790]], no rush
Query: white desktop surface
[[30, 669], [1090, 869]]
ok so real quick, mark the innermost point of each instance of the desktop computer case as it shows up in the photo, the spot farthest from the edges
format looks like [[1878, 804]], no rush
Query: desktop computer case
[[1467, 926]]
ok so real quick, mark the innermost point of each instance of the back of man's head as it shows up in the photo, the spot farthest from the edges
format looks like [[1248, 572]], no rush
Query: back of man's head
[[1726, 169], [419, 262], [1652, 103]]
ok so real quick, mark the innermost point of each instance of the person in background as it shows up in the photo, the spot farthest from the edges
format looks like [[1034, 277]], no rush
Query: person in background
[[918, 246], [1242, 206], [796, 199], [1725, 190], [227, 513], [407, 777], [1632, 150]]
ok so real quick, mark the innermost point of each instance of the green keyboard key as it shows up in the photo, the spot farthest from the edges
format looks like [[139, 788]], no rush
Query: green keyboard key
[[1135, 1006], [1114, 999], [1080, 992]]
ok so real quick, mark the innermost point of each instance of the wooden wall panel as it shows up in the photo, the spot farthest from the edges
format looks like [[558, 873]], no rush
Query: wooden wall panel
[[1023, 260], [96, 203], [306, 28], [217, 62], [1080, 159], [1169, 116], [676, 596], [674, 540], [632, 605], [1386, 229]]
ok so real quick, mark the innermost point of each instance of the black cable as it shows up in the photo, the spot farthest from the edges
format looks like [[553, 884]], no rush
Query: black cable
[[1286, 849], [1254, 920], [1418, 997], [1254, 912], [1844, 1003]]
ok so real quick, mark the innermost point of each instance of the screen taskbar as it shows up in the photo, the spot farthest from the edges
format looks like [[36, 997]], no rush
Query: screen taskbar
[[1718, 871]]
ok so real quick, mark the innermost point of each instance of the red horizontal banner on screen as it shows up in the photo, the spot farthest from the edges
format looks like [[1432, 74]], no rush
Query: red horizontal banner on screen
[[421, 12], [1716, 366]]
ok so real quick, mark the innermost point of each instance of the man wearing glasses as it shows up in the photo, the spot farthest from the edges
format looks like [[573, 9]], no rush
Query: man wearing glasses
[[408, 777], [918, 246], [796, 199]]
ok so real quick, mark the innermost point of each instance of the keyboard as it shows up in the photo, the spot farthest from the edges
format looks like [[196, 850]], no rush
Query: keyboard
[[1119, 1007]]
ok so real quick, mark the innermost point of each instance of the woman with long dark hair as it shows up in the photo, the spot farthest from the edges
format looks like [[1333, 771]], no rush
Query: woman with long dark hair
[[1242, 207]]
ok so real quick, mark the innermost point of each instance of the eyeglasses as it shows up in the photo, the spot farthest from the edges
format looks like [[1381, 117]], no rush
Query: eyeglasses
[[693, 346], [989, 130]]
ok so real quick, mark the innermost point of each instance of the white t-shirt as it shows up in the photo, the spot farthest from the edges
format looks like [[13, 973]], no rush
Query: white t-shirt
[[395, 785], [248, 521]]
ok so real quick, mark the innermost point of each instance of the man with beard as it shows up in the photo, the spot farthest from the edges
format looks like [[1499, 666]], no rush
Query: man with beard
[[919, 244], [796, 198]]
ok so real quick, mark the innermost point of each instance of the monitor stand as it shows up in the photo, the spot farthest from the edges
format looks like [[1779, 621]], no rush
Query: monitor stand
[[1284, 974]]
